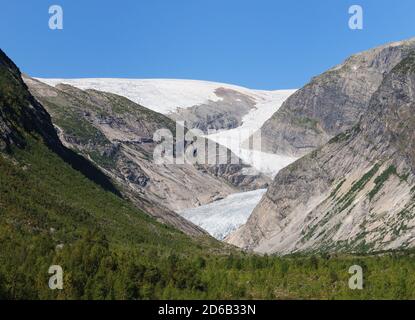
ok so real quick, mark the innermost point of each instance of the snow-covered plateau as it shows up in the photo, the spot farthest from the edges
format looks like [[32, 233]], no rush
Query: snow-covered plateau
[[161, 95]]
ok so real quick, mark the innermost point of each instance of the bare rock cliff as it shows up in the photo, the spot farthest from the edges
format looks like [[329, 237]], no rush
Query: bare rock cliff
[[354, 194], [332, 102]]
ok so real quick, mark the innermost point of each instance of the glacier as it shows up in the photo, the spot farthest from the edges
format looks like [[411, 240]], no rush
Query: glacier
[[167, 95], [233, 139], [222, 217]]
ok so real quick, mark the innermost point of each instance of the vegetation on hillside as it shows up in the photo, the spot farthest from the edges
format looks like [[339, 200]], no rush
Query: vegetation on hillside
[[51, 214]]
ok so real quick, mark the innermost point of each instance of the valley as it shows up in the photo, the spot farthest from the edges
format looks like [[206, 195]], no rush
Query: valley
[[259, 166], [332, 185], [314, 143]]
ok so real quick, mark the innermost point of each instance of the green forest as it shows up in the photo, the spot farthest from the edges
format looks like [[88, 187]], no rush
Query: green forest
[[51, 214]]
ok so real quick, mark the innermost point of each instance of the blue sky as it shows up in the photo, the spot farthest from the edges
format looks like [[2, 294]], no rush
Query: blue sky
[[263, 44]]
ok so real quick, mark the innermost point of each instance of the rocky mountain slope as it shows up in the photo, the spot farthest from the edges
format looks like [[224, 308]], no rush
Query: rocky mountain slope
[[356, 193], [21, 114], [117, 134], [227, 114], [331, 103]]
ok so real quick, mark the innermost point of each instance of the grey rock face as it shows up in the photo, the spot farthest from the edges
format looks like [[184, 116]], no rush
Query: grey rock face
[[332, 102], [354, 194], [117, 135], [226, 113]]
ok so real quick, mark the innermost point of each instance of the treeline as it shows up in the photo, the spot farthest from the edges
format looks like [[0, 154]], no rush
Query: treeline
[[93, 270]]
